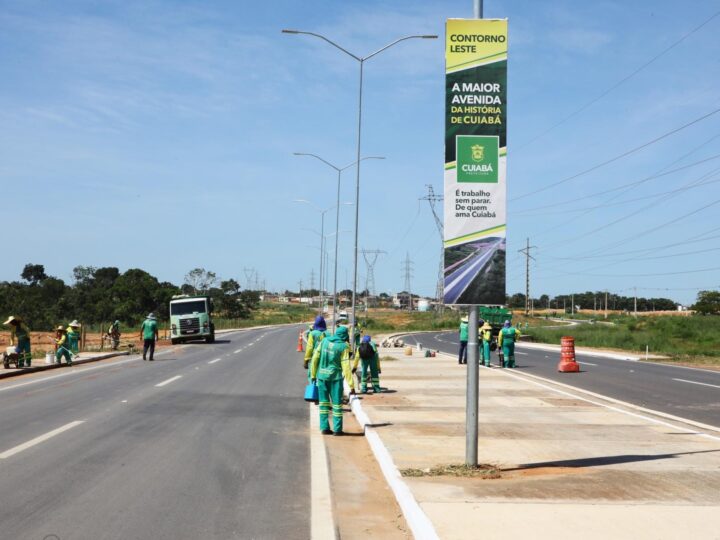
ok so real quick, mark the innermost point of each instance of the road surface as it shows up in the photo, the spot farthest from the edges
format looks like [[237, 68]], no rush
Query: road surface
[[207, 441], [688, 393], [460, 278]]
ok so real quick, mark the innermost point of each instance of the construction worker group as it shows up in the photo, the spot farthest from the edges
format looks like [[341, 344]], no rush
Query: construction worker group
[[327, 359], [505, 343]]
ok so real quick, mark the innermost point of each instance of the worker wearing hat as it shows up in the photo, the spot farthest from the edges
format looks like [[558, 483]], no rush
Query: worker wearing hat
[[149, 335], [20, 338], [73, 334], [462, 354], [486, 338], [114, 333], [317, 332], [62, 346], [506, 339], [330, 365], [367, 356]]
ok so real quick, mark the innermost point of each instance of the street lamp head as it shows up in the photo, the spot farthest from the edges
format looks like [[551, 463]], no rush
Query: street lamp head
[[286, 31], [429, 36]]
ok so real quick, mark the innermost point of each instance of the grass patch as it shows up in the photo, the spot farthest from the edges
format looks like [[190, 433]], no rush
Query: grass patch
[[388, 359], [270, 313], [483, 471], [693, 339]]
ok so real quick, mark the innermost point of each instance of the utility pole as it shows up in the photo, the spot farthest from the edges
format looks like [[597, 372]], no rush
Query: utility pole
[[606, 294], [635, 308], [300, 292], [473, 370], [572, 304], [433, 199], [526, 252]]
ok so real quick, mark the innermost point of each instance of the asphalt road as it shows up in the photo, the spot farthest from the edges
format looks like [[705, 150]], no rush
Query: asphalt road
[[207, 441], [688, 393], [460, 278]]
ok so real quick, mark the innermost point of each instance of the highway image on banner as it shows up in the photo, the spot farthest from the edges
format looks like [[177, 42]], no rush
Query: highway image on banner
[[475, 272]]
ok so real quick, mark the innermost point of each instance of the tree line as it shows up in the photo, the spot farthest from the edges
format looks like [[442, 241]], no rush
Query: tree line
[[102, 295]]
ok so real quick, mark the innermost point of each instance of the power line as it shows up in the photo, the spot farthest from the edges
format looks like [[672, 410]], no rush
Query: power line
[[618, 157], [619, 83]]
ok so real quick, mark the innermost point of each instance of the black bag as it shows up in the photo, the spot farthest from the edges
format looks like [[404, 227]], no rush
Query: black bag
[[366, 351]]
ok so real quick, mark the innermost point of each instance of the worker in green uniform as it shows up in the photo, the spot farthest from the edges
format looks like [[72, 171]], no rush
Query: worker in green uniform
[[20, 338], [369, 360], [314, 338], [114, 335], [73, 335], [486, 337], [462, 355], [149, 335], [62, 346], [506, 339], [330, 365]]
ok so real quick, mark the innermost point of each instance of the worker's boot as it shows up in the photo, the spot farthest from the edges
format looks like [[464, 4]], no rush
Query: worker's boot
[[376, 389]]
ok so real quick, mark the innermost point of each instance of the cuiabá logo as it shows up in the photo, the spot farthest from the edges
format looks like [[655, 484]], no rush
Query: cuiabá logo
[[477, 158]]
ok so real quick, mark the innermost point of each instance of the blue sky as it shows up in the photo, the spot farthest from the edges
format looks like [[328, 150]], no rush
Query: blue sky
[[160, 135]]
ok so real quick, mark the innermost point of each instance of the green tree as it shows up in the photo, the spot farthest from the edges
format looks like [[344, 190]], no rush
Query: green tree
[[707, 303], [200, 280]]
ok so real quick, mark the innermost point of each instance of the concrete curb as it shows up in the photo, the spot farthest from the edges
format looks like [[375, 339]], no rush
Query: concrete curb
[[44, 367], [420, 525]]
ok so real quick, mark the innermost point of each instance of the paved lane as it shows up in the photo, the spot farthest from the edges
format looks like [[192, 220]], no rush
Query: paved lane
[[221, 450], [460, 278], [685, 392]]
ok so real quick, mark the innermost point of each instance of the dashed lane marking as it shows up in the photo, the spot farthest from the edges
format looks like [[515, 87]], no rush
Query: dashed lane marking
[[171, 379], [238, 351], [586, 363], [40, 439], [697, 382], [214, 361]]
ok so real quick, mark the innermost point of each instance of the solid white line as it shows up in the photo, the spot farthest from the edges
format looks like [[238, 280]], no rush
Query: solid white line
[[38, 440], [696, 382], [322, 525], [523, 353], [420, 525], [213, 361], [171, 379], [586, 363]]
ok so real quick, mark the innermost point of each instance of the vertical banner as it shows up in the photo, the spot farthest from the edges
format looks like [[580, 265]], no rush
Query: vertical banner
[[475, 161]]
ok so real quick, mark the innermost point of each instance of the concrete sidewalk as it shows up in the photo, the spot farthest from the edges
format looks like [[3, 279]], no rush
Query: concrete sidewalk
[[570, 465]]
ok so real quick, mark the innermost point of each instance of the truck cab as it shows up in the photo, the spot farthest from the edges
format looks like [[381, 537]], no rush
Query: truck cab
[[191, 319]]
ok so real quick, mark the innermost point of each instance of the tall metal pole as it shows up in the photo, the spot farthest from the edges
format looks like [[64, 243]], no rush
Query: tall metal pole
[[471, 393], [322, 255], [337, 234], [357, 212]]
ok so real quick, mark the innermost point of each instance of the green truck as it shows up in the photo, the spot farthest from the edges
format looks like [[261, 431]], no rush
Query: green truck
[[191, 319], [495, 317]]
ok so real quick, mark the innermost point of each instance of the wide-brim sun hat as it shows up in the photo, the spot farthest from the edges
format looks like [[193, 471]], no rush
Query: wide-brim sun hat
[[152, 317], [486, 326], [60, 328], [74, 323], [464, 319], [12, 318]]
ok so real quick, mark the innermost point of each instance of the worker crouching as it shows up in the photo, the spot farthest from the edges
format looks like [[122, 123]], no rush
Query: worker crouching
[[369, 361], [62, 346], [330, 365], [20, 338]]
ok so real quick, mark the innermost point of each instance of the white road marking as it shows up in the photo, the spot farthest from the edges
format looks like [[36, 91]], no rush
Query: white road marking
[[586, 363], [251, 344], [213, 361], [124, 401], [38, 440], [171, 379], [238, 351], [523, 353], [696, 382], [322, 524]]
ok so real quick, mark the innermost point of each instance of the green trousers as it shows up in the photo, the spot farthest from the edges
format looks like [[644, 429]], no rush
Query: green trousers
[[62, 351], [509, 354], [486, 352], [330, 395], [24, 353], [370, 364]]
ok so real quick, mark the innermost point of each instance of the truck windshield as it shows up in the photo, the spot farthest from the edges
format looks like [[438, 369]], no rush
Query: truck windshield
[[187, 308]]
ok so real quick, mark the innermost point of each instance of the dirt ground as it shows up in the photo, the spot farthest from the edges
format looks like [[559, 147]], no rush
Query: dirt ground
[[44, 341], [363, 504]]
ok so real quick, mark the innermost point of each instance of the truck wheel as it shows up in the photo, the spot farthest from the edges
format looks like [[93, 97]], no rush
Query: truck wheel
[[6, 361], [210, 339], [174, 341]]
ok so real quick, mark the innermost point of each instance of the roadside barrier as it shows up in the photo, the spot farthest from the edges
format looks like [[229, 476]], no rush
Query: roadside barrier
[[300, 343], [568, 364]]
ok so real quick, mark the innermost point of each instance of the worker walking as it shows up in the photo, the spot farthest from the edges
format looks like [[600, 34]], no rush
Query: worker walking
[[506, 339], [314, 338], [369, 360], [330, 365], [462, 354], [149, 335], [114, 335], [486, 340], [73, 334], [20, 338], [62, 346]]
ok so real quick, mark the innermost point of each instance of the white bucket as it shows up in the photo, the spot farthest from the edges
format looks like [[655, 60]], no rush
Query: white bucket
[[49, 358]]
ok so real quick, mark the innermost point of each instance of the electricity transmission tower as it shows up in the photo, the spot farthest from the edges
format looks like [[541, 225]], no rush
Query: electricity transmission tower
[[250, 273], [312, 278], [407, 270], [526, 252], [432, 200], [371, 257]]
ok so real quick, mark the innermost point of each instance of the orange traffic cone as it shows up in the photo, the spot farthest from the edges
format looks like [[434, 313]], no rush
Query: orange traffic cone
[[300, 345], [567, 356]]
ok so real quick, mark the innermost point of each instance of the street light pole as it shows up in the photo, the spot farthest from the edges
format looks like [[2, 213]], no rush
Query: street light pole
[[337, 219], [361, 60]]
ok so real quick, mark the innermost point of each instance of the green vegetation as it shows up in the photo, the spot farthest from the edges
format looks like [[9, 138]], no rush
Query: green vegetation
[[485, 471], [406, 321], [682, 338], [270, 313]]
